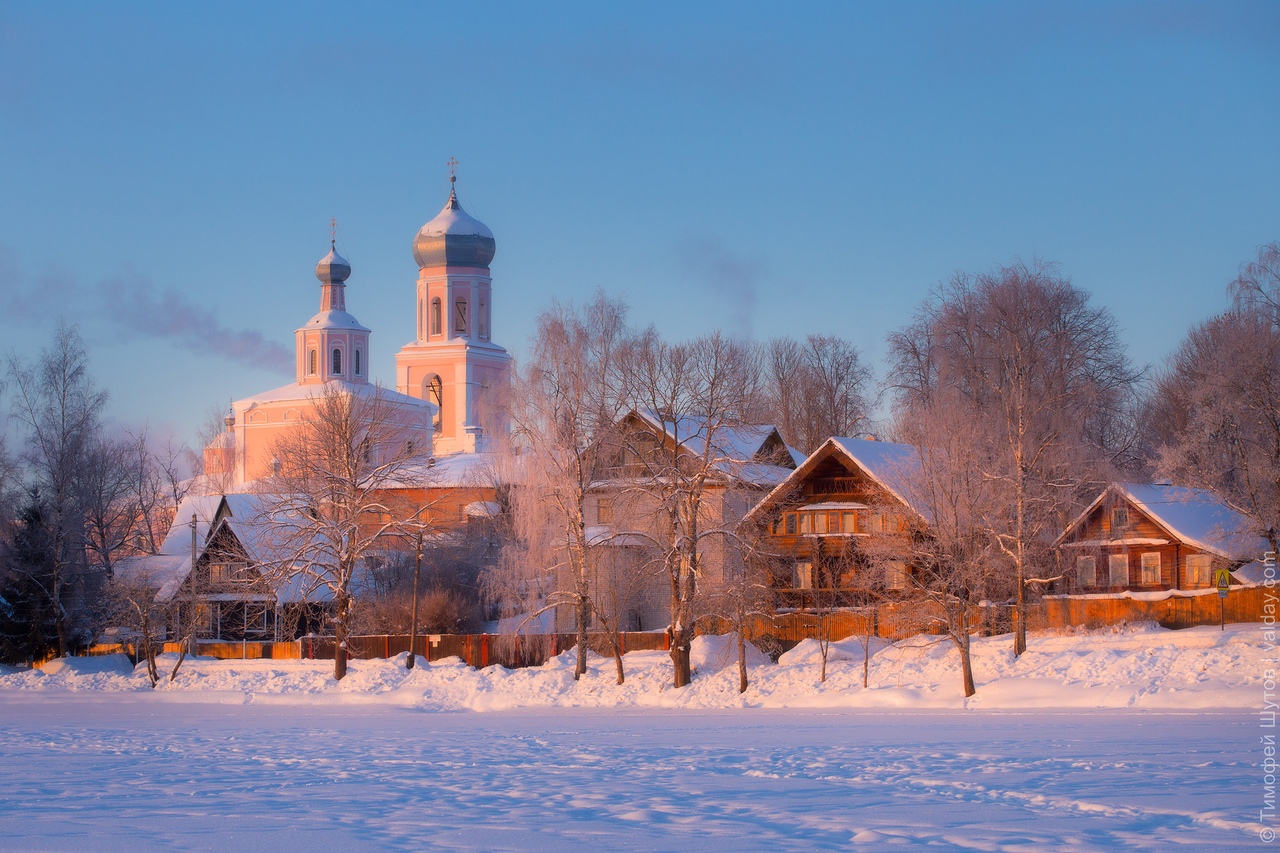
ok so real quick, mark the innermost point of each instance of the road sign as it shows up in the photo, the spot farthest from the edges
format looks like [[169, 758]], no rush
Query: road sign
[[1222, 579]]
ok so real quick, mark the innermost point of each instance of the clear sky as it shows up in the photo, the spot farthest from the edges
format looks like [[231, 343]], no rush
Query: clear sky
[[168, 170]]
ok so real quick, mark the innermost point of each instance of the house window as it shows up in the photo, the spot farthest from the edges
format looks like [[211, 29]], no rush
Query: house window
[[820, 522], [850, 522], [1086, 572], [1118, 568], [460, 316], [604, 511], [1151, 568], [312, 365], [435, 316], [1119, 518], [1199, 569], [806, 522], [896, 575], [804, 575], [337, 361], [791, 524]]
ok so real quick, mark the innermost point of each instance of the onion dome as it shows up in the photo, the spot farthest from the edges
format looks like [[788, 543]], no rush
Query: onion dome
[[333, 268], [454, 239]]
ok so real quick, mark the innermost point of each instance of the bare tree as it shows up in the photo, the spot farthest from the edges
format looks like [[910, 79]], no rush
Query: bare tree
[[698, 393], [1021, 353], [951, 550], [57, 403], [1216, 414], [815, 389], [334, 502], [564, 406]]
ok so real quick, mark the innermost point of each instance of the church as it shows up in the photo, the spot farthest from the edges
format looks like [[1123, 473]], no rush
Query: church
[[441, 376]]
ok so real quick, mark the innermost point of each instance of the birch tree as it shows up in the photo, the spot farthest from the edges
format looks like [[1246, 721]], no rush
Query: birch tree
[[1215, 410], [698, 392], [1021, 353], [333, 503], [564, 407], [814, 389], [58, 405]]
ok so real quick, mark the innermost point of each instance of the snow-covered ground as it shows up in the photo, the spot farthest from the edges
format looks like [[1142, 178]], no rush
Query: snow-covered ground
[[1143, 667], [1141, 739]]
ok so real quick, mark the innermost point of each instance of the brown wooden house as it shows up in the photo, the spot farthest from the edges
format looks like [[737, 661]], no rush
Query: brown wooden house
[[1147, 538], [838, 525]]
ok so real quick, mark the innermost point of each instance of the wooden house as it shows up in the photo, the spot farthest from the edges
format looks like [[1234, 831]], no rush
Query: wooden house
[[624, 507], [838, 526], [228, 593], [1136, 537]]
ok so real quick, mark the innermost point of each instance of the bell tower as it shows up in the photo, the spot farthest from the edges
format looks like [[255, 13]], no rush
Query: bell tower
[[453, 361]]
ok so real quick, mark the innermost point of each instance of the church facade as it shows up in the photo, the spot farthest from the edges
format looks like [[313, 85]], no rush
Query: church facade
[[442, 377]]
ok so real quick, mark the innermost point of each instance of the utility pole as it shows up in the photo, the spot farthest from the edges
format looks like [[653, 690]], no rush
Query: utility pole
[[191, 650], [413, 619]]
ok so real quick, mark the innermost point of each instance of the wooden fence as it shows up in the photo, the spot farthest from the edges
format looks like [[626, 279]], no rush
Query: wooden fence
[[780, 631]]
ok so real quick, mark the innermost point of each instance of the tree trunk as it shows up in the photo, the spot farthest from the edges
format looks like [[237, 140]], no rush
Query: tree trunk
[[683, 675], [742, 657], [966, 668], [583, 614], [617, 661], [340, 636]]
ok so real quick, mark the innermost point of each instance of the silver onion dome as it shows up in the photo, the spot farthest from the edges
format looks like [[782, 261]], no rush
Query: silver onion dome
[[454, 239], [333, 268]]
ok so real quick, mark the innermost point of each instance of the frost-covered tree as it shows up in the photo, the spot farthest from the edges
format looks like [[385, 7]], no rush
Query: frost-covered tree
[[1215, 410], [1021, 354], [334, 502], [58, 405], [814, 389], [681, 497]]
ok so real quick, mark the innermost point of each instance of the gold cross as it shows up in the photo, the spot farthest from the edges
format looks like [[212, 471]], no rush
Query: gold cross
[[333, 229], [453, 169]]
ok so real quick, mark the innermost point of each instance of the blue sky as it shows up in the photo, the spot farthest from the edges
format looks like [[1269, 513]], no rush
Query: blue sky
[[168, 171]]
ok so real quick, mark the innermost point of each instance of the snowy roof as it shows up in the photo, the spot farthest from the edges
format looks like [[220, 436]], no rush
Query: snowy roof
[[163, 572], [334, 320], [887, 464], [1194, 516], [299, 391]]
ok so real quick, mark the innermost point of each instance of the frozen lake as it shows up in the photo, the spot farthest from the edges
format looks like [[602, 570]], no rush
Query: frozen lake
[[122, 772]]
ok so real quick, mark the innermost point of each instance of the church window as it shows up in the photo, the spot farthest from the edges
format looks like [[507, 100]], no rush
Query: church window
[[482, 318], [435, 394], [460, 316], [311, 363], [435, 316], [356, 364], [337, 361]]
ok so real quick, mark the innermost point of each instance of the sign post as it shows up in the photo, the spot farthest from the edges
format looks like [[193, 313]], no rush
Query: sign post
[[1222, 577]]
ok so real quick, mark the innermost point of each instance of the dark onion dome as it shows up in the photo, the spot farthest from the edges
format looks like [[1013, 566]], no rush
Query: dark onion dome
[[454, 239], [333, 268]]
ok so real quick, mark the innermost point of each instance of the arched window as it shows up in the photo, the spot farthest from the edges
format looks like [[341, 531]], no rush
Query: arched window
[[312, 367], [337, 361], [435, 394], [356, 364], [435, 316], [460, 316]]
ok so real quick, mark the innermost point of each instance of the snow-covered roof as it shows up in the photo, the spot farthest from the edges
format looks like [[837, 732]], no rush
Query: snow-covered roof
[[1193, 516], [299, 391], [162, 572], [335, 320], [887, 464]]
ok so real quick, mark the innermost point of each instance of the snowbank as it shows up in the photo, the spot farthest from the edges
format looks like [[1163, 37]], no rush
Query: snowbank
[[1138, 667]]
